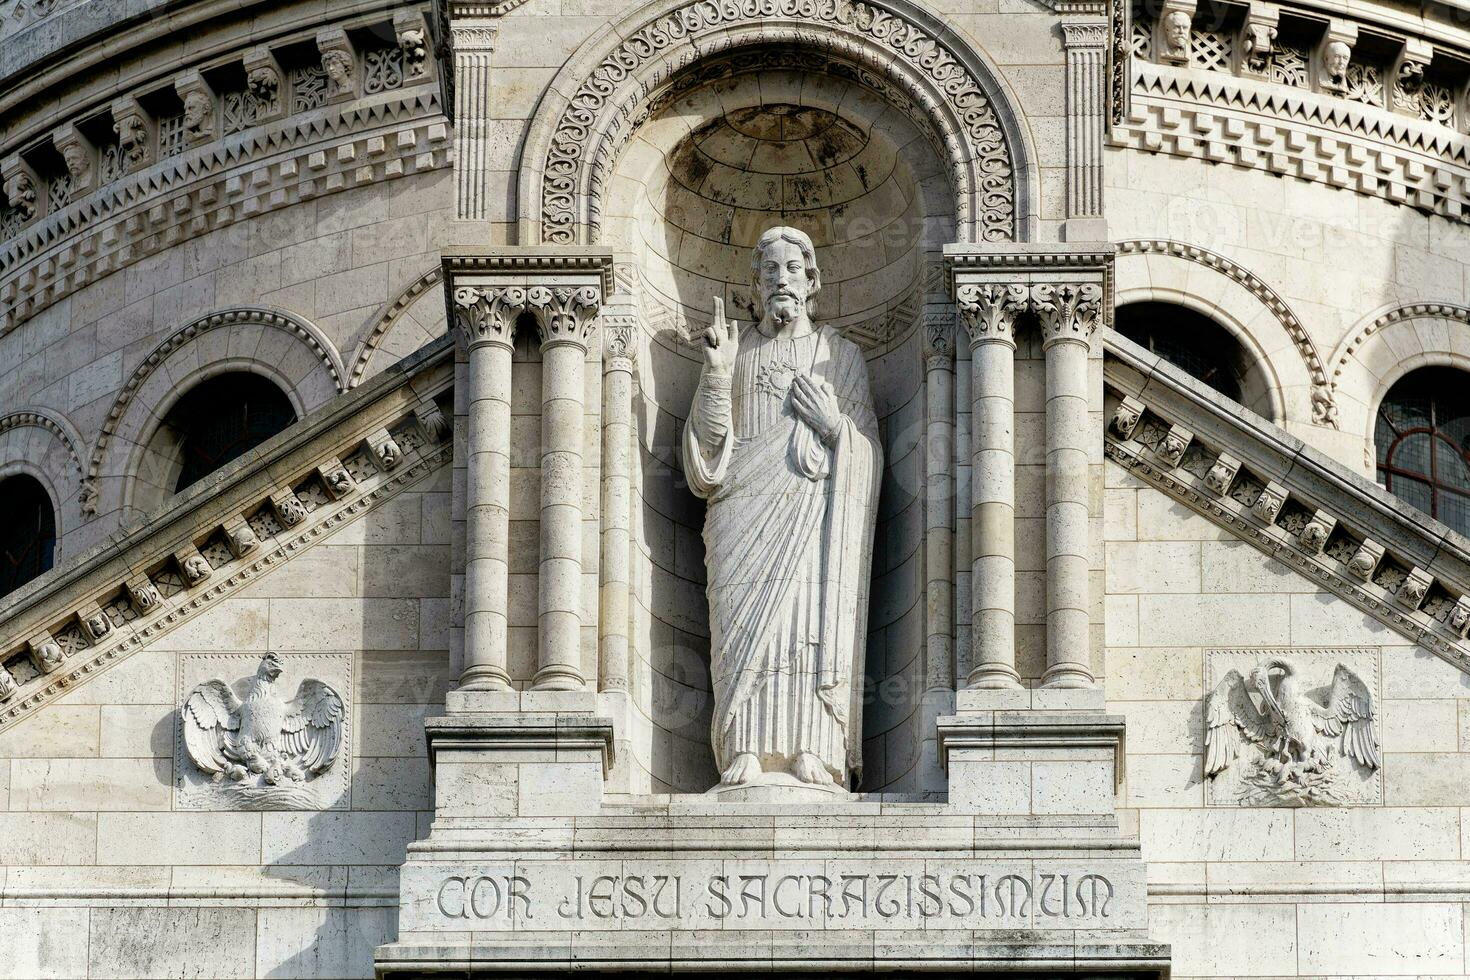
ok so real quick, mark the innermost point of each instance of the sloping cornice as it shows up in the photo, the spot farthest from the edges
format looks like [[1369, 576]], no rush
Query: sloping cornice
[[360, 449], [1350, 536]]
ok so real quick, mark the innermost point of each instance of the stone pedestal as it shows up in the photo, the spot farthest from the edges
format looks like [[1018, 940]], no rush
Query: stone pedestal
[[531, 868]]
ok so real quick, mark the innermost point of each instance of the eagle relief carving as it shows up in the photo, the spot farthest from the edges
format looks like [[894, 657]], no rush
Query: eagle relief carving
[[1277, 735], [256, 745]]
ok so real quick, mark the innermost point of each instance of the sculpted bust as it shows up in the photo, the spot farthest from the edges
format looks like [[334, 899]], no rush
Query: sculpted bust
[[783, 443]]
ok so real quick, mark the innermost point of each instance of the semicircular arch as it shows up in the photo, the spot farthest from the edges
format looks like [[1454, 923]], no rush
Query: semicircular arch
[[1243, 303], [281, 346], [629, 70], [398, 329], [45, 445], [1388, 344]]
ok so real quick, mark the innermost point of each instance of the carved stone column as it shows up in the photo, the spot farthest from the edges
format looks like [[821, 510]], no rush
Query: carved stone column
[[487, 290], [1064, 287], [473, 42], [989, 311], [1068, 313], [486, 316], [939, 510], [1085, 43], [565, 315], [619, 337]]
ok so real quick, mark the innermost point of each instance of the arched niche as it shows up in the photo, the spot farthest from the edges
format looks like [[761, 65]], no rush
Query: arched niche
[[756, 144], [1199, 343], [45, 445], [30, 530], [627, 72]]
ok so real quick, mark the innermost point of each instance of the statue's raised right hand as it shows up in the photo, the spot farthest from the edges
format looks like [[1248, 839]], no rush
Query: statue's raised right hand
[[721, 342]]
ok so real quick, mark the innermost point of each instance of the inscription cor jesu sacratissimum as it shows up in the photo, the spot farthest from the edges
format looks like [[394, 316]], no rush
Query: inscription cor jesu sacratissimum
[[753, 898]]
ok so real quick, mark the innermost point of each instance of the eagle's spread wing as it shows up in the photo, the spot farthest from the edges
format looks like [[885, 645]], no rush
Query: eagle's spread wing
[[1229, 714], [210, 714], [312, 731], [1349, 714]]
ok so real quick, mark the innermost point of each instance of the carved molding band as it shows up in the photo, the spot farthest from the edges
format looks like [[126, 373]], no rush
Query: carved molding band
[[1286, 131], [885, 41], [193, 194]]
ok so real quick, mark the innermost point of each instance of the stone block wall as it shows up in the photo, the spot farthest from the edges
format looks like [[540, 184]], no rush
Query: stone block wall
[[106, 876], [1368, 888]]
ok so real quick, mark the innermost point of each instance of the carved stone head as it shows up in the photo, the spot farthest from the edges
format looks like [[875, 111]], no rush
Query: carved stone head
[[197, 106], [1335, 59], [78, 161], [1176, 31], [785, 267]]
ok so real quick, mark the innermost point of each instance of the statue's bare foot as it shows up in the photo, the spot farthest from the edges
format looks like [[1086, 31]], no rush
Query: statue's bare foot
[[743, 770], [809, 769]]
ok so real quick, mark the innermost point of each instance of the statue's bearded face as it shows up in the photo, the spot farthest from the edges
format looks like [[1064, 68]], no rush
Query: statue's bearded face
[[785, 282]]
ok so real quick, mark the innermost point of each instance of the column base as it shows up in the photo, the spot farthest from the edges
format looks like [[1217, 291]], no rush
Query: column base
[[483, 678], [1068, 676], [558, 677], [995, 677]]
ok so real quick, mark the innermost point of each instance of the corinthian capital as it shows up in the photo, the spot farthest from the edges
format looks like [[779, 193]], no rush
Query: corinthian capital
[[1067, 311], [487, 314], [990, 310], [565, 313]]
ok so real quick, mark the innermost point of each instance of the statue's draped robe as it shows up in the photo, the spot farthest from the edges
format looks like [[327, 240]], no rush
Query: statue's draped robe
[[788, 544]]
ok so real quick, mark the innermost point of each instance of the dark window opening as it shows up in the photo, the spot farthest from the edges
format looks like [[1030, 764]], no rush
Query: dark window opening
[[223, 418], [1422, 436], [28, 533], [1190, 341]]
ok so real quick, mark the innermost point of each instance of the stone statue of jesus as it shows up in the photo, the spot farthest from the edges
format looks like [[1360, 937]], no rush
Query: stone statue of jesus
[[783, 443]]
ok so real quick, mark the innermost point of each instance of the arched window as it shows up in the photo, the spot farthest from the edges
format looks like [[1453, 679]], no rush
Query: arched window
[[1193, 343], [1422, 436], [221, 419], [28, 533]]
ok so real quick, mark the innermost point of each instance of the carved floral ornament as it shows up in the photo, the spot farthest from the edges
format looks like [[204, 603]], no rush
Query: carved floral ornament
[[564, 314], [886, 42], [1064, 310]]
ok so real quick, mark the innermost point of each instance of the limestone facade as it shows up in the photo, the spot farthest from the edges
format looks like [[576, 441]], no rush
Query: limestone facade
[[471, 246]]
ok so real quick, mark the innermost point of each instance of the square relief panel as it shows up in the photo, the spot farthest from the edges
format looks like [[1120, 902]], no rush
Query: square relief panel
[[265, 732], [1292, 727]]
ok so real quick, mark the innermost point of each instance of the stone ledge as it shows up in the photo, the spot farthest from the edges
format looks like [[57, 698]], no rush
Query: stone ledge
[[929, 951], [505, 735]]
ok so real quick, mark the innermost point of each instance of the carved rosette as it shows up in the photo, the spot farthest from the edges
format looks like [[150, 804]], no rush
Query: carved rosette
[[1067, 311], [487, 314], [565, 313], [989, 311]]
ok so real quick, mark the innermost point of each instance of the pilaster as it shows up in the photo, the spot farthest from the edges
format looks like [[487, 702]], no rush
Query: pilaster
[[1085, 44]]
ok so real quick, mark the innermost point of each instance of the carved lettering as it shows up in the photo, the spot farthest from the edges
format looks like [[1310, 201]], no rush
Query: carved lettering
[[748, 899]]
